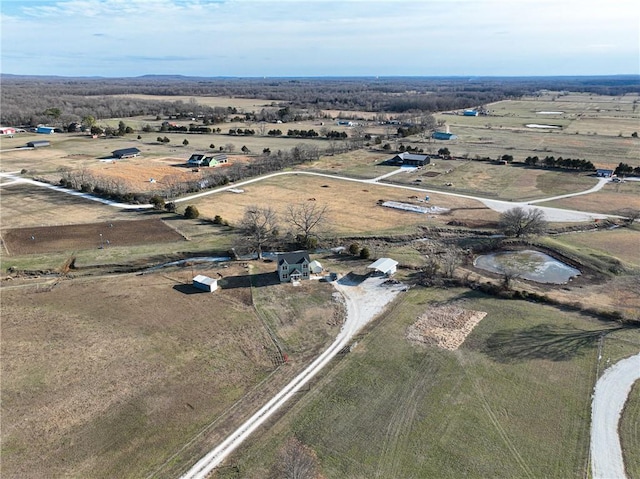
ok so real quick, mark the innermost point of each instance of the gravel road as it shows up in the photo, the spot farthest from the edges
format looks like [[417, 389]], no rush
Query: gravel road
[[363, 301], [610, 395]]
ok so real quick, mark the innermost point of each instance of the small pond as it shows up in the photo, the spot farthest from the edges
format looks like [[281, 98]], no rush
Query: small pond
[[528, 264]]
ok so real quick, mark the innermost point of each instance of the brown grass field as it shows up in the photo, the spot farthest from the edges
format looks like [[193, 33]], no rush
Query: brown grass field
[[46, 239], [110, 376], [610, 199], [23, 205], [353, 206]]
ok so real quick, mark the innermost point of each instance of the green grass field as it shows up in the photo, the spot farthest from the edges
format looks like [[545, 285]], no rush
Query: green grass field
[[513, 401]]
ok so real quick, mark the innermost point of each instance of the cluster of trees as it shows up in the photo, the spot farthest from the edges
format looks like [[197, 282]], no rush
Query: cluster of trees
[[336, 135], [624, 169], [240, 131], [260, 226], [303, 133], [567, 163]]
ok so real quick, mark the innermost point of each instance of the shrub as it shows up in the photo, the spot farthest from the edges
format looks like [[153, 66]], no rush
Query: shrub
[[354, 248], [157, 202], [365, 253], [191, 212], [171, 207], [217, 220]]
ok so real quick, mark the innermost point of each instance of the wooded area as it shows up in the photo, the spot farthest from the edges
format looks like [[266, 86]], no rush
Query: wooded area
[[29, 100]]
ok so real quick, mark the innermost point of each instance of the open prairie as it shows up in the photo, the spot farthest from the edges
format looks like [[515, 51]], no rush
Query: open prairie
[[116, 385], [513, 401]]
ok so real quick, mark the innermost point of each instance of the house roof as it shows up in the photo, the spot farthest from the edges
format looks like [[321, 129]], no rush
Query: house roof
[[126, 151], [297, 257], [202, 279], [412, 156], [383, 265]]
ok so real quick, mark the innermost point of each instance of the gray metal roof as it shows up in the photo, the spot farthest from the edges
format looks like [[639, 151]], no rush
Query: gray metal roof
[[296, 257]]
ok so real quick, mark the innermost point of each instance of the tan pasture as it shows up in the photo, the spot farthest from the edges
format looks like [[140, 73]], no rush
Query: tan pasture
[[353, 206], [610, 200]]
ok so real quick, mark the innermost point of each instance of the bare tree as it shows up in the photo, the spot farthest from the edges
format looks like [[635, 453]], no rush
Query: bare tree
[[631, 214], [522, 222], [258, 227], [307, 220], [297, 461], [450, 260]]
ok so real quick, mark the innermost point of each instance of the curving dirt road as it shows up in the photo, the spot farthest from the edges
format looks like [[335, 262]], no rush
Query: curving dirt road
[[551, 214], [609, 397], [363, 301]]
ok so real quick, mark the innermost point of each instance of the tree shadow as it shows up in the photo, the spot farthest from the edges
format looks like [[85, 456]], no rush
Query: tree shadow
[[542, 342]]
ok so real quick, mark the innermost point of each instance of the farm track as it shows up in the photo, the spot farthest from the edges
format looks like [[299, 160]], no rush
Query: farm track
[[364, 301], [552, 214]]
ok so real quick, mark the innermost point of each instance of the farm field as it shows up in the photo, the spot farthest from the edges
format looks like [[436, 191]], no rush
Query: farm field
[[113, 387], [595, 128], [348, 215], [505, 182], [610, 199], [513, 401], [47, 239]]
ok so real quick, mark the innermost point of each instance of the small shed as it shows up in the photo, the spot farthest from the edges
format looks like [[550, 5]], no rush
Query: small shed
[[126, 153], [45, 130], [7, 131], [386, 266], [315, 267], [205, 283], [38, 143], [470, 113]]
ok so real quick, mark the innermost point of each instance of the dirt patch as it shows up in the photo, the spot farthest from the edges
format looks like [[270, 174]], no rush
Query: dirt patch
[[444, 326], [48, 239]]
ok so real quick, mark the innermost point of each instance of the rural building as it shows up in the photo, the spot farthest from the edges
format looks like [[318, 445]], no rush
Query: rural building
[[470, 113], [7, 131], [293, 266], [45, 130], [126, 153], [602, 173], [410, 159], [345, 123], [441, 135], [38, 143], [385, 266], [315, 267], [207, 160], [205, 283]]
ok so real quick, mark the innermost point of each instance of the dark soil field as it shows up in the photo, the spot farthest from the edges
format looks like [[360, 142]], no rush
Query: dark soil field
[[48, 239]]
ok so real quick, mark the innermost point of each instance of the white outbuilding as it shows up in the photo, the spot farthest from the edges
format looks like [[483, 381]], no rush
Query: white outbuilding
[[315, 267], [205, 283], [385, 266]]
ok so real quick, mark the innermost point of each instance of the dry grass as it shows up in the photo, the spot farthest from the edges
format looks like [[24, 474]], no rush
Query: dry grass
[[621, 243], [114, 385], [610, 199], [25, 205], [353, 206]]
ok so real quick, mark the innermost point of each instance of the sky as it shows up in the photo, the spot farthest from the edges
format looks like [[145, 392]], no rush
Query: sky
[[303, 38]]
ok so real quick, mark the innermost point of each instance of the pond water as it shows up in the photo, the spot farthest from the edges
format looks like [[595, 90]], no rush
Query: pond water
[[528, 264]]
